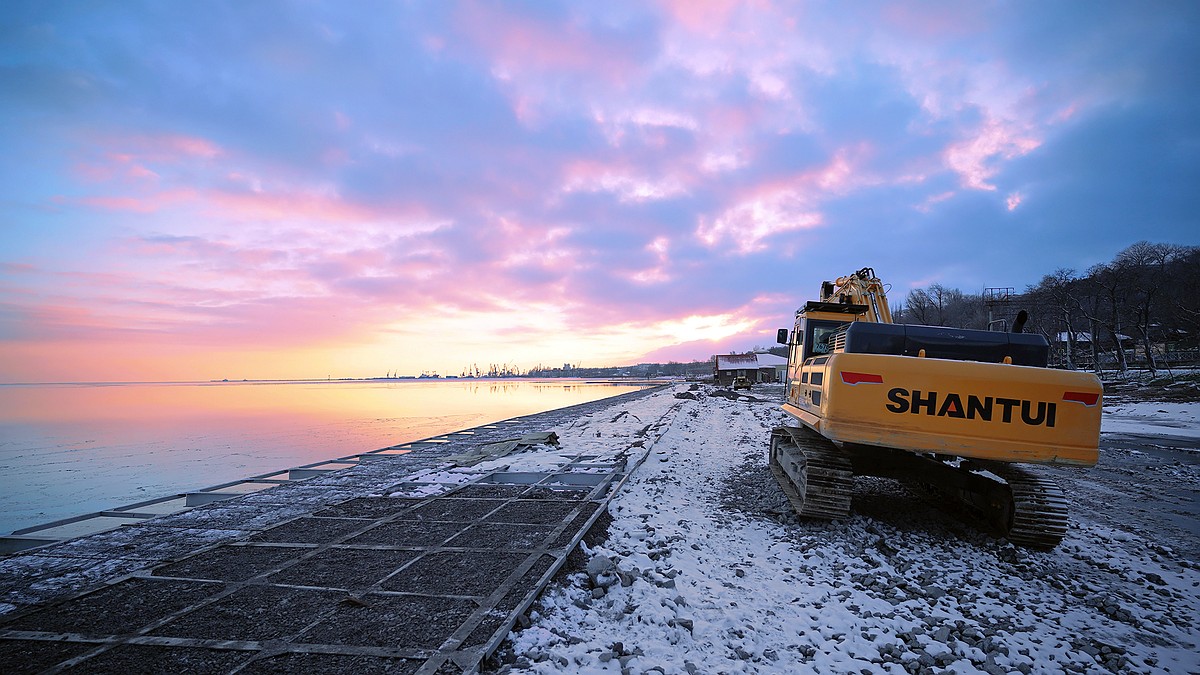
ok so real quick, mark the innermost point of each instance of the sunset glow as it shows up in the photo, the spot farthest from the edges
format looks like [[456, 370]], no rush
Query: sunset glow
[[348, 189]]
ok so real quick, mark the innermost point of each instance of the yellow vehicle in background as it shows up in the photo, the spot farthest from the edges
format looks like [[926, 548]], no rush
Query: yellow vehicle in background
[[956, 409], [741, 383]]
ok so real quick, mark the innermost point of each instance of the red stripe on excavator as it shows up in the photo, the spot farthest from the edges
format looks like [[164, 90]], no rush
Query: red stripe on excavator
[[1087, 398], [861, 378]]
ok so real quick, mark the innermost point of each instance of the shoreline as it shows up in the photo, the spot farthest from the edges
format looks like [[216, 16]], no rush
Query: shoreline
[[336, 380], [103, 520], [74, 450]]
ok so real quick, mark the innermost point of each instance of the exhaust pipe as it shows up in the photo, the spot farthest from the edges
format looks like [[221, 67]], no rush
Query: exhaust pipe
[[1019, 324]]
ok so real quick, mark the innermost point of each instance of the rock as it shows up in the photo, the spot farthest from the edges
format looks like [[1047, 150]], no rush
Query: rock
[[686, 624], [933, 592], [942, 634], [606, 579], [770, 655], [598, 593], [599, 565]]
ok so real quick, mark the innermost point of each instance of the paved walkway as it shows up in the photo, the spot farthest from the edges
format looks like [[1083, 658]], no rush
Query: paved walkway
[[368, 569]]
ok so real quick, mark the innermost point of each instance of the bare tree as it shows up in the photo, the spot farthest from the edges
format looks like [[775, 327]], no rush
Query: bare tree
[[1147, 267], [1058, 297], [920, 307]]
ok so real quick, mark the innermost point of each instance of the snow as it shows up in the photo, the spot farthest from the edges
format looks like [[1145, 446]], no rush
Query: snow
[[1152, 419], [589, 436], [705, 570]]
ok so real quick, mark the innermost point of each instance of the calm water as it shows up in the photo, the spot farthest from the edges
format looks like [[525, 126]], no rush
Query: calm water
[[71, 449]]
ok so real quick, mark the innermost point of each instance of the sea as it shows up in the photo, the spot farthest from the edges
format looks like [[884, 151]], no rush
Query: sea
[[70, 449]]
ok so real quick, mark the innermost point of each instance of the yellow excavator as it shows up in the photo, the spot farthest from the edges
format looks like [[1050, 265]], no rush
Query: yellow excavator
[[956, 409]]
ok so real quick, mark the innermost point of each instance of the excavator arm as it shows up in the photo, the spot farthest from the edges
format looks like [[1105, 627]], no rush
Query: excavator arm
[[860, 288]]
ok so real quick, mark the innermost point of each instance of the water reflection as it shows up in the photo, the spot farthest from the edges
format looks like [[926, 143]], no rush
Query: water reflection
[[68, 449]]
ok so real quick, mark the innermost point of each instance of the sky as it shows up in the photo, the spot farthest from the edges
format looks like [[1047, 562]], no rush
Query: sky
[[329, 189]]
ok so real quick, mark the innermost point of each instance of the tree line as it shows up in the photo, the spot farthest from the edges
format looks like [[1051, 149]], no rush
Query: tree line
[[1142, 307]]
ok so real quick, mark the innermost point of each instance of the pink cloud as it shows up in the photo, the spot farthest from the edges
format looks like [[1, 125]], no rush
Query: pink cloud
[[657, 274], [927, 205], [142, 159], [975, 158], [937, 21], [701, 16], [782, 205], [523, 44], [150, 203], [628, 183]]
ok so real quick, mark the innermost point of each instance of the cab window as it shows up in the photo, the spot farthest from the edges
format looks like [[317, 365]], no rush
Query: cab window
[[817, 338]]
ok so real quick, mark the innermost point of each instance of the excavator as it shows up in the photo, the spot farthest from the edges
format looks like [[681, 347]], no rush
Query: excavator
[[961, 411]]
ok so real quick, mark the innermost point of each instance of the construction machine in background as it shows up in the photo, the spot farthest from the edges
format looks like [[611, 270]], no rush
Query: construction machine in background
[[963, 411]]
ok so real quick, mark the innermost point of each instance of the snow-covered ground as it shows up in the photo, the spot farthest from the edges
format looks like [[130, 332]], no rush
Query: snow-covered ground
[[706, 570], [1150, 418]]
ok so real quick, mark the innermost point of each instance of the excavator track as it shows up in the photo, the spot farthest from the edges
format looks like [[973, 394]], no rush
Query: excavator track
[[816, 477], [1037, 516]]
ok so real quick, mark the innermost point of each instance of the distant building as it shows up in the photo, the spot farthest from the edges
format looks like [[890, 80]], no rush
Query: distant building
[[754, 367], [1081, 337]]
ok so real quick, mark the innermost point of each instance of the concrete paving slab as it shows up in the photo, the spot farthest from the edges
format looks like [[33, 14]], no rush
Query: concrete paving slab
[[310, 531], [254, 614], [456, 573], [421, 623], [228, 563], [502, 535], [120, 609], [408, 533], [331, 664], [37, 655], [351, 569], [455, 510], [126, 659], [539, 512], [234, 516], [146, 542], [369, 507]]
